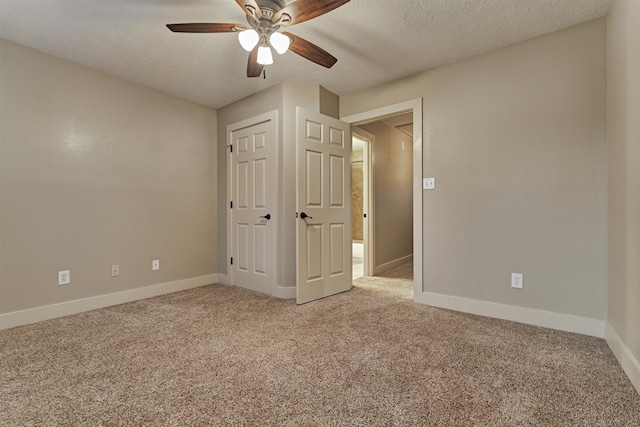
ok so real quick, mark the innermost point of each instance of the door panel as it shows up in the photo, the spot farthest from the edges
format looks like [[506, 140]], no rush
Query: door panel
[[314, 131], [314, 252], [242, 191], [260, 184], [336, 137], [313, 178], [243, 247], [253, 196], [336, 175], [260, 248], [337, 238], [324, 236]]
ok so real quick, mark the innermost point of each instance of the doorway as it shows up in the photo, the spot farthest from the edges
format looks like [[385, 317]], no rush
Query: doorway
[[388, 219], [414, 108]]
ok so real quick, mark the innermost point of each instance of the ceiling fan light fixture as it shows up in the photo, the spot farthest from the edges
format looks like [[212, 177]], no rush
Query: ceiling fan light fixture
[[264, 55], [279, 42], [248, 39]]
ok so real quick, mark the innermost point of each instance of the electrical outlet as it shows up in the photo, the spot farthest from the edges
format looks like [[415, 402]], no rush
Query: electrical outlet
[[155, 264], [115, 270], [64, 277], [516, 280]]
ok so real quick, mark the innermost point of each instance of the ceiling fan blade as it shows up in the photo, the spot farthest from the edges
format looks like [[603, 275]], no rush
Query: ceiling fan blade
[[303, 10], [310, 51], [250, 7], [253, 68], [205, 28]]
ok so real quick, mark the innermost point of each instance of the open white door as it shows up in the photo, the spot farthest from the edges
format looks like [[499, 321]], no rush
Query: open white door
[[323, 206]]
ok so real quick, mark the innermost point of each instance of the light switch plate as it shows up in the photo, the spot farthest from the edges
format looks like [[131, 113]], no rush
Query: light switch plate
[[155, 264], [428, 183]]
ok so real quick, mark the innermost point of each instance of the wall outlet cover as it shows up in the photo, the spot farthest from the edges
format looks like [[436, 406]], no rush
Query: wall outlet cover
[[155, 264], [64, 277], [516, 280]]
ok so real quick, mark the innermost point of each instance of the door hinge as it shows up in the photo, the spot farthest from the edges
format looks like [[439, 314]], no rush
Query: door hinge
[[365, 215], [231, 260], [230, 205], [231, 148], [296, 214]]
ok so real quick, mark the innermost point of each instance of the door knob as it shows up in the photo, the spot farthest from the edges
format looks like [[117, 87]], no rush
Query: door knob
[[304, 215], [267, 217]]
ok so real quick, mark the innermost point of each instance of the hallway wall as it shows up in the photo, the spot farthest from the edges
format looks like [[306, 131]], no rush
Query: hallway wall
[[393, 195]]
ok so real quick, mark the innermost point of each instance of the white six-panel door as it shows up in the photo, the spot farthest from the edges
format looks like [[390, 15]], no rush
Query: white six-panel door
[[324, 206], [253, 195]]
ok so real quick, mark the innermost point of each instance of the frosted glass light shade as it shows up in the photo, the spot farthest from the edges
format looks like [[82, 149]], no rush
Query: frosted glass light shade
[[248, 39], [279, 42], [264, 55]]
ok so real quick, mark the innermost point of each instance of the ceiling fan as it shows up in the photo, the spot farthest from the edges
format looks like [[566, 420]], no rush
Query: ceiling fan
[[265, 18]]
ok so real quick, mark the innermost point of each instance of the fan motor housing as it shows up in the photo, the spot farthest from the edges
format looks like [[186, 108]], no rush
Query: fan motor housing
[[274, 5]]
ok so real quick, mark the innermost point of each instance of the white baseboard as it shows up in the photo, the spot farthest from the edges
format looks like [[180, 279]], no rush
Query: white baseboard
[[629, 363], [530, 316], [283, 292], [38, 314], [223, 279], [392, 264]]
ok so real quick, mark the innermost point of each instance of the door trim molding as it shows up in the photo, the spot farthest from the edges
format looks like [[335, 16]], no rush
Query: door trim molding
[[414, 105], [368, 199], [271, 116]]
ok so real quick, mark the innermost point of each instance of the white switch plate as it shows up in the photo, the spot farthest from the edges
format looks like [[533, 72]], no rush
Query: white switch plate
[[428, 183], [155, 264], [516, 280], [115, 270], [64, 277]]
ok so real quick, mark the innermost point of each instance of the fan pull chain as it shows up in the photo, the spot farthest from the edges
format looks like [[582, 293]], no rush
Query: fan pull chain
[[264, 74]]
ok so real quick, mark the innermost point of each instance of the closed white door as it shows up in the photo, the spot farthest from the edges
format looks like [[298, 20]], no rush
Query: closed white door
[[323, 205], [253, 206]]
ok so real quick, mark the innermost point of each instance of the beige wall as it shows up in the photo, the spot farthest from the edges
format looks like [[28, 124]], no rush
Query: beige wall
[[516, 140], [623, 135], [393, 193], [96, 171]]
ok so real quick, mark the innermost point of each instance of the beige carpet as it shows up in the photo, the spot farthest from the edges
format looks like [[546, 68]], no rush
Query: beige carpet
[[370, 357]]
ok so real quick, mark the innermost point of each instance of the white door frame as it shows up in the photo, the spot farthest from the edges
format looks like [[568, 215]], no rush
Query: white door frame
[[368, 237], [414, 105], [271, 116]]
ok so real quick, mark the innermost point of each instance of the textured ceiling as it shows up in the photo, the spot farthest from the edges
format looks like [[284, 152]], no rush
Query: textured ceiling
[[375, 41]]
